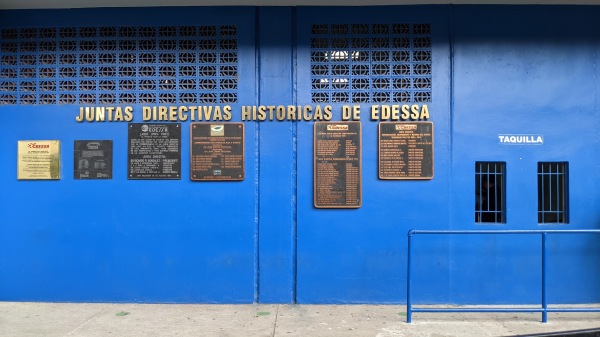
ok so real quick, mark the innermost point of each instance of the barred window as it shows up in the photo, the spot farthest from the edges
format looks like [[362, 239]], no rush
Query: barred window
[[553, 192], [490, 190]]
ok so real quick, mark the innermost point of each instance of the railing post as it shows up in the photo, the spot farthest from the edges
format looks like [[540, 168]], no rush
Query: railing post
[[408, 280], [544, 299], [544, 309]]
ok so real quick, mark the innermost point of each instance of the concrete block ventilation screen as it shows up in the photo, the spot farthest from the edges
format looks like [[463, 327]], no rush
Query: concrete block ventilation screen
[[119, 65], [369, 63]]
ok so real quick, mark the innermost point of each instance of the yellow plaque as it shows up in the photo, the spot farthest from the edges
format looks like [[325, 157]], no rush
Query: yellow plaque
[[38, 160]]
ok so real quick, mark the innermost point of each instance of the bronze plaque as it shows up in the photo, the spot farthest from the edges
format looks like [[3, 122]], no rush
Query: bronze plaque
[[337, 165], [93, 159], [154, 151], [406, 150], [38, 160], [217, 151]]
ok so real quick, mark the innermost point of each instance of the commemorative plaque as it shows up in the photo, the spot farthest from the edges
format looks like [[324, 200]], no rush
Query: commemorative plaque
[[154, 151], [38, 160], [217, 151], [93, 159], [337, 165], [406, 150]]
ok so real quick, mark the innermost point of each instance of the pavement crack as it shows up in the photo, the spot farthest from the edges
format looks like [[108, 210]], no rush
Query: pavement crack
[[275, 323], [70, 333]]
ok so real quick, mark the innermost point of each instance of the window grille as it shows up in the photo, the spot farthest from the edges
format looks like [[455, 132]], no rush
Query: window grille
[[118, 65], [490, 190], [553, 192], [366, 63]]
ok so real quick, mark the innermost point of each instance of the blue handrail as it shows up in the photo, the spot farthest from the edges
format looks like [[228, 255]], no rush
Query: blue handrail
[[544, 309]]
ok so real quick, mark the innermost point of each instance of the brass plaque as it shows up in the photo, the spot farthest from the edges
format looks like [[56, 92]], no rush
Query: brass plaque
[[217, 151], [154, 151], [38, 159], [93, 159], [337, 165], [406, 150]]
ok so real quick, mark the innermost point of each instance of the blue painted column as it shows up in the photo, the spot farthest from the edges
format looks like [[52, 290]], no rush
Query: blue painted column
[[277, 158]]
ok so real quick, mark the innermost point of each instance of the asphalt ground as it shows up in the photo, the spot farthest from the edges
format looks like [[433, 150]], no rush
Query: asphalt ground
[[21, 319]]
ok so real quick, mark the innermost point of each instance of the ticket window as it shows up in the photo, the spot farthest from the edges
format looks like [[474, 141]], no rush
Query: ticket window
[[553, 191], [490, 190]]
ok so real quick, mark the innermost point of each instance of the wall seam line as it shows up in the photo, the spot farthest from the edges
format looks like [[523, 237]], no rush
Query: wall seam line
[[257, 159], [294, 158]]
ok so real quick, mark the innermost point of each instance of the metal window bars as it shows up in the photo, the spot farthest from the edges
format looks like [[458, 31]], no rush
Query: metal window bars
[[489, 192], [553, 192]]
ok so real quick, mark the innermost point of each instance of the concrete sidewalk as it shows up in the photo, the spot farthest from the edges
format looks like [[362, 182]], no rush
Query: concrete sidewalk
[[138, 320]]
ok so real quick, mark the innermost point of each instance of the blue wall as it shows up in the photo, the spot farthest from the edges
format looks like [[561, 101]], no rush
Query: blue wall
[[126, 240], [496, 70], [526, 70]]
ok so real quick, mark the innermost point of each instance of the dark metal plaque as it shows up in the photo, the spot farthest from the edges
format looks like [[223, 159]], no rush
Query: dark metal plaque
[[337, 165], [93, 159], [217, 151], [406, 150], [154, 151]]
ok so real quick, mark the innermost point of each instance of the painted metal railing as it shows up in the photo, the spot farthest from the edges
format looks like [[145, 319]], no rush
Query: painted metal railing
[[543, 309]]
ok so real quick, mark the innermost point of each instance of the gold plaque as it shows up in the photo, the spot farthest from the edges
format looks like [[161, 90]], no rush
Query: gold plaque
[[38, 159]]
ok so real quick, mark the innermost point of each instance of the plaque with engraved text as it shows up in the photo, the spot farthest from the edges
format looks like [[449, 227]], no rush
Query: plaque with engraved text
[[154, 151], [406, 150], [38, 159], [93, 159], [217, 151], [337, 165]]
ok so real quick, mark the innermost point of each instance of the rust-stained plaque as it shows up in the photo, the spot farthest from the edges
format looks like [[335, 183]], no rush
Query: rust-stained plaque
[[337, 165], [406, 150], [154, 151], [93, 159], [217, 151], [38, 159]]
